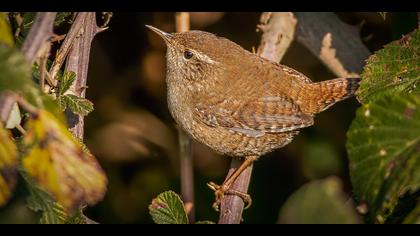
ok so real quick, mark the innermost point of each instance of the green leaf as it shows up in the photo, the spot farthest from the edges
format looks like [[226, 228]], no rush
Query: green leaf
[[8, 165], [78, 105], [6, 35], [383, 147], [167, 208], [394, 69], [318, 202], [14, 71], [61, 17], [40, 201], [66, 81]]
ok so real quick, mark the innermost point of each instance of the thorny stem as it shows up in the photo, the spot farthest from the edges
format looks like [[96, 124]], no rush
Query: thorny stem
[[78, 62], [68, 42], [182, 20]]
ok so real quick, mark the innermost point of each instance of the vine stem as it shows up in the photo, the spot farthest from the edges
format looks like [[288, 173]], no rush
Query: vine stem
[[182, 22]]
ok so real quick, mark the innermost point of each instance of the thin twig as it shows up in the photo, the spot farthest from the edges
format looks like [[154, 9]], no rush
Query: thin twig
[[182, 20], [275, 41], [68, 42], [40, 33], [21, 129], [337, 44], [78, 62]]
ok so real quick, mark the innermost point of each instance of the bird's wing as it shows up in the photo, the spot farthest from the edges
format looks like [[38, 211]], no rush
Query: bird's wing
[[269, 114]]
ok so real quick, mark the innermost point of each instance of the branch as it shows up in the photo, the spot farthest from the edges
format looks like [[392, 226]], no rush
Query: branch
[[68, 42], [278, 30], [337, 44], [40, 33], [277, 35], [182, 20], [78, 62]]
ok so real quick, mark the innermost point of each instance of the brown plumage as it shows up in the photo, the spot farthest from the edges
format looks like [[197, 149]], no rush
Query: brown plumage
[[236, 102]]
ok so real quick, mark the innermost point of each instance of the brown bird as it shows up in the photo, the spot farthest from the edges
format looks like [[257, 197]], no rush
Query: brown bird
[[237, 103]]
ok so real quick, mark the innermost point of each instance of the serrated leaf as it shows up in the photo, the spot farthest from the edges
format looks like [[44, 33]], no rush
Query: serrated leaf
[[14, 72], [394, 69], [384, 155], [6, 35], [56, 161], [14, 117], [167, 208], [318, 202], [78, 105], [66, 81], [8, 165]]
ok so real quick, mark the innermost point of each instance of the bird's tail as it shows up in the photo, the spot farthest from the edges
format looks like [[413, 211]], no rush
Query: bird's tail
[[324, 94]]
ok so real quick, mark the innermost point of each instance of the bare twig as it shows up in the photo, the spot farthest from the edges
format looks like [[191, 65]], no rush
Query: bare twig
[[337, 44], [68, 42], [78, 62], [182, 20], [275, 41], [7, 101], [40, 33]]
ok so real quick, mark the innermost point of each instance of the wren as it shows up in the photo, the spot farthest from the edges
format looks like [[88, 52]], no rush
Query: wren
[[237, 103]]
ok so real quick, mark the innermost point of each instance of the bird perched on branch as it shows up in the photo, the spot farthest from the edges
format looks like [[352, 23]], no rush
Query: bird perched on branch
[[237, 103]]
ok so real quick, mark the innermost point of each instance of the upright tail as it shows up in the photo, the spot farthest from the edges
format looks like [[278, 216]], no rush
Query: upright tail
[[322, 95]]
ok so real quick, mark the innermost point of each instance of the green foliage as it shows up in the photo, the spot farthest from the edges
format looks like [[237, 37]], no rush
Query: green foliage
[[384, 139], [41, 201], [60, 18], [318, 202], [383, 150], [77, 105], [14, 71], [167, 208], [394, 69], [66, 81]]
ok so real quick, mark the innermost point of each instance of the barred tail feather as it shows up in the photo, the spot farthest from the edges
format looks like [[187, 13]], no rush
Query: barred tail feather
[[327, 93]]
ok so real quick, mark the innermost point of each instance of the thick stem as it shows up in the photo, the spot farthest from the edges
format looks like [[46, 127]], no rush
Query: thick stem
[[182, 20], [38, 36], [78, 62], [337, 44]]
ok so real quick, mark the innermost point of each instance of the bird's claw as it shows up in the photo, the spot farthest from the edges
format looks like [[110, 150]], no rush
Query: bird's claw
[[221, 190]]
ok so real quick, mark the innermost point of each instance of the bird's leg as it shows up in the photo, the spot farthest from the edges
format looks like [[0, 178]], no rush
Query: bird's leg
[[225, 188]]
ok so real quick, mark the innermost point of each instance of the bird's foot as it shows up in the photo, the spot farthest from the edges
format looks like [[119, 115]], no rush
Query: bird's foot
[[221, 190]]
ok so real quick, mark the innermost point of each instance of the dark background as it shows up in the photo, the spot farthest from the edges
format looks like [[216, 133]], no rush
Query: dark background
[[134, 137]]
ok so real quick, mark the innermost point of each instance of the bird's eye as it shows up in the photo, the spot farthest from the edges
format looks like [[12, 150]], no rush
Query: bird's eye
[[188, 54]]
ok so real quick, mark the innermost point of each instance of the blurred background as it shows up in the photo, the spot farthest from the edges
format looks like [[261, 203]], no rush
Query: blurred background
[[134, 137]]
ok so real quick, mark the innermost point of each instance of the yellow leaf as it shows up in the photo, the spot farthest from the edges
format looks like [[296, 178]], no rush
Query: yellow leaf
[[57, 162], [8, 164], [6, 36]]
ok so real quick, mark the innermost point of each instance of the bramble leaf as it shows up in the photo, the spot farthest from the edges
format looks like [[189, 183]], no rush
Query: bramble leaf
[[8, 165], [167, 208]]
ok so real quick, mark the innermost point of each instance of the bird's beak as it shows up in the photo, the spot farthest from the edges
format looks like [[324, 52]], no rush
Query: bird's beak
[[166, 36]]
